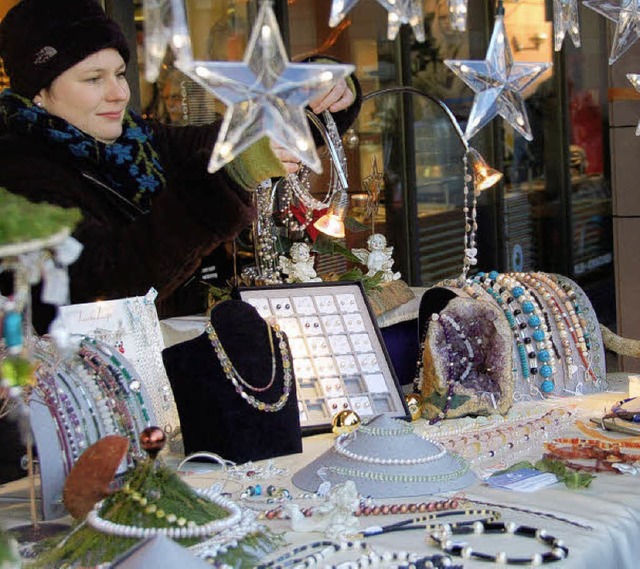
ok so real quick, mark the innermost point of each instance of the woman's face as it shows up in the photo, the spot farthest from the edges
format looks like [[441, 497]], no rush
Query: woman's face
[[92, 95]]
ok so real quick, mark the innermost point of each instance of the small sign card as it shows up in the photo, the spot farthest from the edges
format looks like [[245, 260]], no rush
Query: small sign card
[[522, 480]]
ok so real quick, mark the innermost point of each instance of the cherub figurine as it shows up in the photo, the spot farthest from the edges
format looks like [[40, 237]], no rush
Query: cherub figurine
[[335, 517], [300, 267], [377, 257]]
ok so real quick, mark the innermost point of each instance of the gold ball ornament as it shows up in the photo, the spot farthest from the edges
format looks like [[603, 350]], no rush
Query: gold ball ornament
[[415, 402], [345, 421], [351, 139]]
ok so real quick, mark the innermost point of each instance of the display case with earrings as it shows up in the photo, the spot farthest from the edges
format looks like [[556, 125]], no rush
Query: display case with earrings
[[340, 361]]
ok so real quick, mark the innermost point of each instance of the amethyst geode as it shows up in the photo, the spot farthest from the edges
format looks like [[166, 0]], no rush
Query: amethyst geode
[[467, 361]]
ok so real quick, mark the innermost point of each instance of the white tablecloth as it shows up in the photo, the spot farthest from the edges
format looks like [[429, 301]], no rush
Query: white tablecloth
[[600, 524]]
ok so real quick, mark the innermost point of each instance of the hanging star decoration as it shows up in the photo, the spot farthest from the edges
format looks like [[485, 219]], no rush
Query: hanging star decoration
[[635, 81], [626, 15], [400, 12], [457, 15], [266, 94], [565, 19], [165, 24], [374, 184], [498, 83]]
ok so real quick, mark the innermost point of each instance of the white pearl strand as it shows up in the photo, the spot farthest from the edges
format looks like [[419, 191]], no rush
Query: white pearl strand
[[340, 448], [185, 532], [228, 538]]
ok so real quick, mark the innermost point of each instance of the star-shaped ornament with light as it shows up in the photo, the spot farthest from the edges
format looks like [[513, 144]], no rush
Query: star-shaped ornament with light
[[400, 12], [626, 15], [635, 81], [565, 19], [498, 82], [457, 15], [165, 24], [266, 94]]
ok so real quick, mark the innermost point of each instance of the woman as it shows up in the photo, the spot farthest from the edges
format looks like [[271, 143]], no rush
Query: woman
[[151, 212]]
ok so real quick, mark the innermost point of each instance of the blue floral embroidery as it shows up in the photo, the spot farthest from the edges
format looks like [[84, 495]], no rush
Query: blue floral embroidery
[[81, 150], [119, 153], [148, 183]]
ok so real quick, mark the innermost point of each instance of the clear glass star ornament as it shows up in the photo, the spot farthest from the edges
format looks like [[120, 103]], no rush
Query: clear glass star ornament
[[498, 82], [626, 15], [404, 12], [635, 81], [400, 12], [266, 94], [565, 19], [458, 15], [165, 24]]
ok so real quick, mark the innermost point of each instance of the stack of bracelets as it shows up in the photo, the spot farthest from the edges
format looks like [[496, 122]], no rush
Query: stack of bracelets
[[483, 446], [606, 456], [91, 394]]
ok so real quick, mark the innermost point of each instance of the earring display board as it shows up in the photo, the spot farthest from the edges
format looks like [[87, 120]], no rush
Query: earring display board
[[339, 358]]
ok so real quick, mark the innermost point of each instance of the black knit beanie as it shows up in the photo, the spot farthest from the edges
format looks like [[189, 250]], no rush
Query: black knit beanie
[[40, 39]]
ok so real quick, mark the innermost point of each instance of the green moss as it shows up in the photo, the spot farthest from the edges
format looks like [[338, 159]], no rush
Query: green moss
[[164, 490], [23, 220]]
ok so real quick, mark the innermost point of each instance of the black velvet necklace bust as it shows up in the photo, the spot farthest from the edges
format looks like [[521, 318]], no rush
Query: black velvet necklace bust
[[214, 417]]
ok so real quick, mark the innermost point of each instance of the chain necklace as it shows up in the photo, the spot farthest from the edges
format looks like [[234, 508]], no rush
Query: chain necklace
[[238, 381]]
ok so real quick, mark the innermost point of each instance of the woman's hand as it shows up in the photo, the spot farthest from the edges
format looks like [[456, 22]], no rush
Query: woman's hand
[[290, 162], [338, 98]]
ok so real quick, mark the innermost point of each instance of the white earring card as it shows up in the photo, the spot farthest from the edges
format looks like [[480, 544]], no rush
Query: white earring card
[[339, 358]]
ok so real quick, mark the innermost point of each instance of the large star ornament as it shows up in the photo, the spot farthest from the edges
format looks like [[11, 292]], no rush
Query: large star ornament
[[635, 81], [265, 94], [498, 83], [626, 15], [565, 19], [165, 24], [400, 12]]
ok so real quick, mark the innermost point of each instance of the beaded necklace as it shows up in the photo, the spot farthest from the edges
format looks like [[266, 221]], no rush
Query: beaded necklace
[[564, 314], [539, 335], [341, 448], [511, 437], [237, 381], [316, 553], [418, 522], [408, 478], [442, 538], [481, 279], [184, 529], [367, 508]]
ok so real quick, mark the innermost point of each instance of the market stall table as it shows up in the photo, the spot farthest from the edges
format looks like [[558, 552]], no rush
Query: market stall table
[[599, 525]]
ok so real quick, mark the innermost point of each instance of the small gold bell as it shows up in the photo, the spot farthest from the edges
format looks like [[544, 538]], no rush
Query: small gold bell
[[345, 421], [415, 402]]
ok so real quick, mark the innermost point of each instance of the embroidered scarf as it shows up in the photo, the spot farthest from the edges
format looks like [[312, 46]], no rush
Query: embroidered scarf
[[130, 165]]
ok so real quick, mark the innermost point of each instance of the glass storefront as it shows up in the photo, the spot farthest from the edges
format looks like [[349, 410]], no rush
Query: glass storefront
[[552, 211]]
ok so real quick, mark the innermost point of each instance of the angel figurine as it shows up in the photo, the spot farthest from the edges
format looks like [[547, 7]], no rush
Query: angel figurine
[[377, 257], [300, 267]]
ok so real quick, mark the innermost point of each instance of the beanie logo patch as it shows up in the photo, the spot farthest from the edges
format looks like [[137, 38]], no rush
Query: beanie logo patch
[[45, 54]]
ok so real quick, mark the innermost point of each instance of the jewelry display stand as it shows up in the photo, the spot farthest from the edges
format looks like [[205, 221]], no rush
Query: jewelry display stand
[[76, 401], [234, 387], [339, 358]]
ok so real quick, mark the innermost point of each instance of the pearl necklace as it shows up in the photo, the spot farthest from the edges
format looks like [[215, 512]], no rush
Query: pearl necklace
[[403, 478], [235, 378], [341, 448], [186, 530]]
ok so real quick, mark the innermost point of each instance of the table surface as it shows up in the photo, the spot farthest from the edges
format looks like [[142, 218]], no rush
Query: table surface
[[600, 524]]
